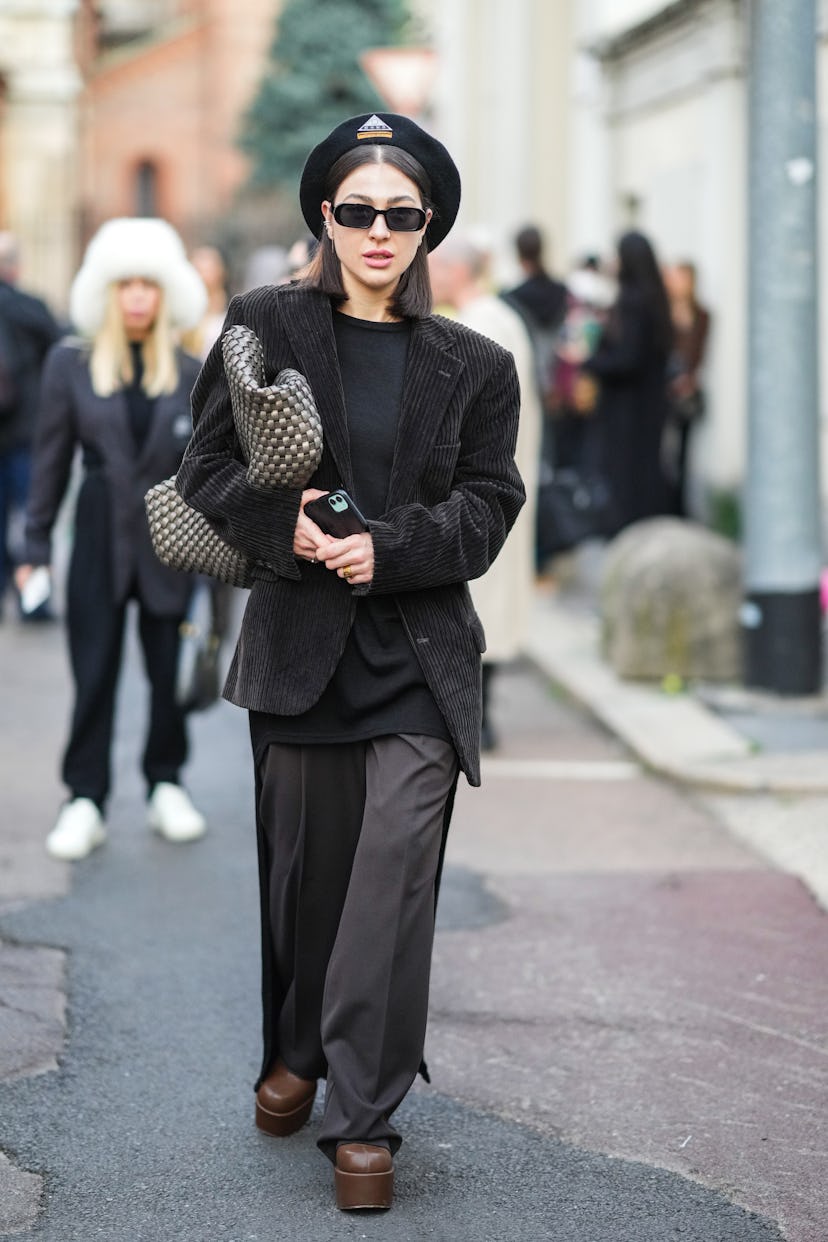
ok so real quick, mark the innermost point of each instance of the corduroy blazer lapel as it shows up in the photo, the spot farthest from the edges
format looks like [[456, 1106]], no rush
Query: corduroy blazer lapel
[[431, 374], [309, 327]]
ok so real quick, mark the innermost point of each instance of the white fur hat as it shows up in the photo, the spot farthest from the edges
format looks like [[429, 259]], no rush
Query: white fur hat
[[136, 246]]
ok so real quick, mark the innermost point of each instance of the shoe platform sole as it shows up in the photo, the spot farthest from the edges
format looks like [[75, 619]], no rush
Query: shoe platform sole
[[280, 1125], [364, 1191]]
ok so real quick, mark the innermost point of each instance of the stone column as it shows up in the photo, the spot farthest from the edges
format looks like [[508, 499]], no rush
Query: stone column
[[40, 142]]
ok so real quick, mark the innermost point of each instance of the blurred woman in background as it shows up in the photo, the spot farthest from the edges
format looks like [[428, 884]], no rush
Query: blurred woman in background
[[691, 326], [122, 394], [209, 262], [630, 365]]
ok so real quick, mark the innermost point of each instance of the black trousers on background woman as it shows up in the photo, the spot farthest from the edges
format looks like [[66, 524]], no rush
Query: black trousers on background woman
[[95, 626], [350, 844]]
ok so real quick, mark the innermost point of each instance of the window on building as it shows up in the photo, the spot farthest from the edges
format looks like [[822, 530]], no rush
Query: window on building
[[146, 189], [122, 21]]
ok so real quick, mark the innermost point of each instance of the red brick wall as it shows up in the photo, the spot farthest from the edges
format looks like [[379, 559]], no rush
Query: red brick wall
[[176, 103]]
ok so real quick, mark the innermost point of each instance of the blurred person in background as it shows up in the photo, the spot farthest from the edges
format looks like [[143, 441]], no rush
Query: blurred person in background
[[540, 298], [541, 301], [122, 395], [209, 262], [299, 256], [27, 330], [573, 399], [590, 286], [630, 365], [691, 327], [267, 265], [359, 657], [503, 596]]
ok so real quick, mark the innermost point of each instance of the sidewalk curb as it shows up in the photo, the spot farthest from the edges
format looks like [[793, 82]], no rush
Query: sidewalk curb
[[674, 735]]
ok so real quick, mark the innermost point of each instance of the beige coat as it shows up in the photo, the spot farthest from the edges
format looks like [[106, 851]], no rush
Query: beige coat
[[503, 597]]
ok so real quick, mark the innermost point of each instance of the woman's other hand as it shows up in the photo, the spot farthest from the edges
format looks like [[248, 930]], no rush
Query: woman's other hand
[[308, 539], [351, 558]]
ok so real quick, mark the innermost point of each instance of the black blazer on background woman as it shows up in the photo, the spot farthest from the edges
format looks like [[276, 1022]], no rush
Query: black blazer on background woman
[[116, 474], [453, 495]]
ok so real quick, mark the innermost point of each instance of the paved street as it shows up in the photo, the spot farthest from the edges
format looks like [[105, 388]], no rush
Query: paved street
[[628, 1023]]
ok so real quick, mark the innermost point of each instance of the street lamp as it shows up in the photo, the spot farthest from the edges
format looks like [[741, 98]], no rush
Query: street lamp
[[401, 76]]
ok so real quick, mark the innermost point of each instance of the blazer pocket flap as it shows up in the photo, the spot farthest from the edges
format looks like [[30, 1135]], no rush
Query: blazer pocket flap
[[478, 633]]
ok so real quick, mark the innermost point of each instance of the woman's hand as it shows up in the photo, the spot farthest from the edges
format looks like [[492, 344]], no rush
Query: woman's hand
[[308, 539], [22, 575], [351, 558]]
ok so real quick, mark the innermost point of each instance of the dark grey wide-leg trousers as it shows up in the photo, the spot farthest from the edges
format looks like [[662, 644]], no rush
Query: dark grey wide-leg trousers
[[353, 834]]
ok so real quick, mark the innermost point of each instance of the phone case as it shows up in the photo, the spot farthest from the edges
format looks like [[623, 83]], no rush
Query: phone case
[[336, 514]]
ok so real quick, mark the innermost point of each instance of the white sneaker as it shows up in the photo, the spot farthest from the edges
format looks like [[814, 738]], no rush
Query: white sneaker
[[79, 829], [173, 815]]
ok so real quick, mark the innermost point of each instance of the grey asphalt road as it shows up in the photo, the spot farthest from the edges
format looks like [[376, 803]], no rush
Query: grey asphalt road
[[578, 1095]]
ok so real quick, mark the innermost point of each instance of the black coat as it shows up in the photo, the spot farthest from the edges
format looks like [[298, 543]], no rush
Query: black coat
[[28, 331], [116, 479], [631, 367], [541, 301], [453, 495]]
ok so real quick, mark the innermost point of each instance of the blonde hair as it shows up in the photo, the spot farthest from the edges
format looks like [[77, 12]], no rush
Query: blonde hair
[[111, 361]]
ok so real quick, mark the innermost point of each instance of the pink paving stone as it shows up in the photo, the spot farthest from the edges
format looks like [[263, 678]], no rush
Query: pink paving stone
[[680, 1019]]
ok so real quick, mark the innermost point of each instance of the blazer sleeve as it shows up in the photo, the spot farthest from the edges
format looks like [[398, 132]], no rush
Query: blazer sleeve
[[416, 547], [212, 478], [54, 448]]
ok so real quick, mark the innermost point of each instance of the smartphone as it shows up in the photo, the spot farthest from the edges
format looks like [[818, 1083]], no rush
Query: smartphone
[[336, 514]]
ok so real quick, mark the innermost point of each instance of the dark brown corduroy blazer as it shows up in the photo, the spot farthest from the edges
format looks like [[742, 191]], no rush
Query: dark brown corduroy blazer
[[453, 495]]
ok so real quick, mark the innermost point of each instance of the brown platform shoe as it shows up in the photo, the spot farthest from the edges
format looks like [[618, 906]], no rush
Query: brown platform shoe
[[283, 1102], [364, 1176]]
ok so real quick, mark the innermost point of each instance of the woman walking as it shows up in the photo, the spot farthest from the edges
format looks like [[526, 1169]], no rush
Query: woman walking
[[630, 364], [121, 394], [359, 657]]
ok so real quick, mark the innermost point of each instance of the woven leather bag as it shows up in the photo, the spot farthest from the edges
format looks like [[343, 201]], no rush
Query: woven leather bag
[[278, 427], [280, 434]]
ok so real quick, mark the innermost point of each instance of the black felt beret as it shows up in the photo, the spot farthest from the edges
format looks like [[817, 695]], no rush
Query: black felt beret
[[394, 131]]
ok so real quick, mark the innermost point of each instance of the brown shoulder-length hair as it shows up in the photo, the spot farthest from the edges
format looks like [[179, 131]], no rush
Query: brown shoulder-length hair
[[412, 297]]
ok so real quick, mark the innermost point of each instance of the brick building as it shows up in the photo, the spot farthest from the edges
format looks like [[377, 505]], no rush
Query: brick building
[[166, 84]]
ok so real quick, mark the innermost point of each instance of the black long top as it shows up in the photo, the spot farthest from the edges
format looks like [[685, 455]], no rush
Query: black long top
[[139, 405], [378, 686]]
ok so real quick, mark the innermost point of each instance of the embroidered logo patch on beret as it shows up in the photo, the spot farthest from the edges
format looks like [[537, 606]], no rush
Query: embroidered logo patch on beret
[[374, 128], [442, 179]]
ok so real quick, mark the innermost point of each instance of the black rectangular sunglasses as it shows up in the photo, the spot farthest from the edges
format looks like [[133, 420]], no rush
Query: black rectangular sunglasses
[[362, 216]]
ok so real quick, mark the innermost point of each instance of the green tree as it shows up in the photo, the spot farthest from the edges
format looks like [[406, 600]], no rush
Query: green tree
[[313, 80]]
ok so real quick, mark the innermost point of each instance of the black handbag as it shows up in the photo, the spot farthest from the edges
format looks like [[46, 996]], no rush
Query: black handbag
[[573, 506]]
